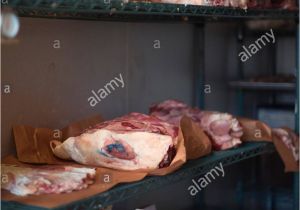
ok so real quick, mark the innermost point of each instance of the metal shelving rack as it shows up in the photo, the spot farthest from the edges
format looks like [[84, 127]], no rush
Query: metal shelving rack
[[191, 169], [116, 10], [138, 11]]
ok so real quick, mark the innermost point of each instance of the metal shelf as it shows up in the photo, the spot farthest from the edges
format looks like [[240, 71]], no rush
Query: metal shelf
[[138, 11], [263, 85], [190, 170]]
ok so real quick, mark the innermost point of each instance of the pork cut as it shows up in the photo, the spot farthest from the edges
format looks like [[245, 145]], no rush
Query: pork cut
[[223, 129], [290, 140], [24, 181], [134, 141]]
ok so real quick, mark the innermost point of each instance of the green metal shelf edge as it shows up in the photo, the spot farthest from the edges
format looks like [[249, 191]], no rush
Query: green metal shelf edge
[[272, 86], [117, 10], [190, 170]]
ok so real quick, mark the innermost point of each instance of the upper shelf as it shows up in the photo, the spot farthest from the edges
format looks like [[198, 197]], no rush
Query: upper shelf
[[274, 86], [189, 170], [138, 11]]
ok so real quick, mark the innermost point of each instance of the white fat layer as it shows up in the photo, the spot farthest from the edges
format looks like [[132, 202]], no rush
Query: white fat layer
[[149, 148], [27, 180]]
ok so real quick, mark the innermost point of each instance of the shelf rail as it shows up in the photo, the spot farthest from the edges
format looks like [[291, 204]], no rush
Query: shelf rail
[[190, 170], [140, 11]]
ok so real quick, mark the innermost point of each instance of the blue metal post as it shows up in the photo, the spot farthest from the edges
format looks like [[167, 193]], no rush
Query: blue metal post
[[296, 175], [199, 66], [240, 187], [199, 83]]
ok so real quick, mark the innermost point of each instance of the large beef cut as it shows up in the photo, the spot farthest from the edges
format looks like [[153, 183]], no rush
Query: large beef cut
[[223, 129], [45, 179], [135, 141]]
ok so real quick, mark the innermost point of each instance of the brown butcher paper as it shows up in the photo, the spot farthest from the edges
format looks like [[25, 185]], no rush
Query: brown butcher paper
[[32, 145], [290, 164], [254, 130], [197, 143]]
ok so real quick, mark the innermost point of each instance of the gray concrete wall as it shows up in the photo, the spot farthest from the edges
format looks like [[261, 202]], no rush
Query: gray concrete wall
[[50, 87]]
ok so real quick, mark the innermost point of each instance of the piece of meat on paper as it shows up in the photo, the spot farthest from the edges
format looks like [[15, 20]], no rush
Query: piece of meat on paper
[[24, 181], [132, 142], [223, 129], [290, 140]]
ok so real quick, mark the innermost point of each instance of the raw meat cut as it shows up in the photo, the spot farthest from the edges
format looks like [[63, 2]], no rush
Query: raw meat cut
[[223, 129], [224, 3], [187, 2], [45, 179], [239, 3], [172, 111], [290, 140], [131, 142], [234, 3]]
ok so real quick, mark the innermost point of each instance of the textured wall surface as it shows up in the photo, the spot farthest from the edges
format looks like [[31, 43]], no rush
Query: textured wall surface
[[50, 86]]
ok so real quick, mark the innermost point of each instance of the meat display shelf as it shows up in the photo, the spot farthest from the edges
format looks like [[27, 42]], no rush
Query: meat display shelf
[[191, 169], [263, 85], [138, 11]]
